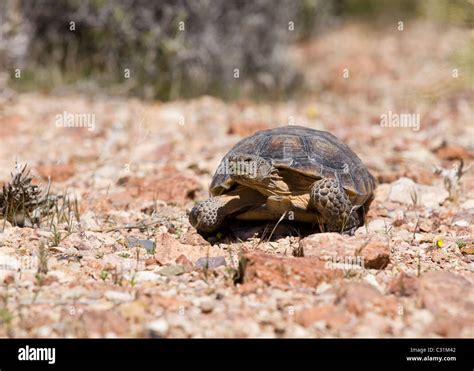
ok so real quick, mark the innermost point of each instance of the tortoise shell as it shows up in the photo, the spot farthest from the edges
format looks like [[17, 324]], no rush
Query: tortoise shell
[[313, 153]]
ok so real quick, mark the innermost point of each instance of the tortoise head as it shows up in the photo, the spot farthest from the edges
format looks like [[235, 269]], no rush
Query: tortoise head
[[249, 169]]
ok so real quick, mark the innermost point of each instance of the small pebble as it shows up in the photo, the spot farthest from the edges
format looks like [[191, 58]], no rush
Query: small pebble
[[211, 262], [158, 328], [172, 270], [148, 245], [207, 306]]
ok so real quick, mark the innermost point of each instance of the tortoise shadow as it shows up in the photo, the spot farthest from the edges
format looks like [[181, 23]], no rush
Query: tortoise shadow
[[267, 231]]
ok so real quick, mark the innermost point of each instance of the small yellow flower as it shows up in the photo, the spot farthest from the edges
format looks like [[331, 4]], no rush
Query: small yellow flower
[[312, 112], [439, 242]]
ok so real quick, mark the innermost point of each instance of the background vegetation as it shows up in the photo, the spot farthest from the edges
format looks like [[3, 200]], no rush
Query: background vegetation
[[165, 62]]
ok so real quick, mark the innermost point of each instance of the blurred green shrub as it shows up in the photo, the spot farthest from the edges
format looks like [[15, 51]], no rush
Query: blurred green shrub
[[378, 8], [165, 62], [459, 12], [146, 37]]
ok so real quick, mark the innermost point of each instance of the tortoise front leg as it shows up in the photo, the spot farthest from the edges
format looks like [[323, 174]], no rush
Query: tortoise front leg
[[333, 204], [208, 216]]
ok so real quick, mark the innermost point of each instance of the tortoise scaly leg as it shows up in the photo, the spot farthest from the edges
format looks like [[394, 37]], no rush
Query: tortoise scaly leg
[[333, 204], [208, 216]]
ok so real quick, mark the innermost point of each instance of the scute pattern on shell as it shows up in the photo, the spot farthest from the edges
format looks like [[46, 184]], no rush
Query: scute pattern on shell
[[309, 151]]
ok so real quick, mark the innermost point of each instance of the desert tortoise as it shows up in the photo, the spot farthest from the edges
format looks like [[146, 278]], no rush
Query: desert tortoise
[[292, 172]]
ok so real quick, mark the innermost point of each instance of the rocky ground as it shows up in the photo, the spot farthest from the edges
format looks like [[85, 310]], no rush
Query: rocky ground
[[127, 263]]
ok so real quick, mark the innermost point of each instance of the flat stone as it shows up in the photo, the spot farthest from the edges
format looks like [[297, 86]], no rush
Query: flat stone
[[379, 225], [461, 223], [362, 298], [210, 262], [146, 276], [148, 245], [172, 270], [119, 296], [329, 315], [463, 219], [371, 251], [168, 249], [450, 298], [404, 190], [469, 204], [257, 267]]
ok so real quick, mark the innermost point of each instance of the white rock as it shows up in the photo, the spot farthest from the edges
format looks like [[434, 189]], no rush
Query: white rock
[[424, 237], [146, 276], [323, 287], [119, 296], [100, 305], [107, 172], [75, 293], [371, 280], [44, 331], [461, 223], [422, 317], [469, 204], [403, 190], [298, 331], [379, 225], [431, 197], [158, 327]]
